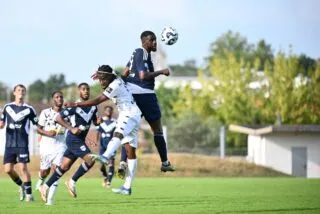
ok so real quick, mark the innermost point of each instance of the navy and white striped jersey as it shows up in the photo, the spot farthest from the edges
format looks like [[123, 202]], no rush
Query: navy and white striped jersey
[[80, 117], [106, 128], [140, 62], [17, 120]]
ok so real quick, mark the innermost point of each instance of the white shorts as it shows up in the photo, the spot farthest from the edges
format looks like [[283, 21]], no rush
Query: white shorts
[[52, 156], [128, 126]]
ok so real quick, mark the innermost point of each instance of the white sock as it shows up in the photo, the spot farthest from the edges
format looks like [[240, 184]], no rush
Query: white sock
[[132, 166], [53, 190], [113, 146]]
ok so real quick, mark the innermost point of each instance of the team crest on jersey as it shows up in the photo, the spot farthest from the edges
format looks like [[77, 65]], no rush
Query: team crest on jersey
[[65, 112], [83, 148]]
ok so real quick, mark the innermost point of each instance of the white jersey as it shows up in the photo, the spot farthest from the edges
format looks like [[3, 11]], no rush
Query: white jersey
[[122, 97], [47, 121]]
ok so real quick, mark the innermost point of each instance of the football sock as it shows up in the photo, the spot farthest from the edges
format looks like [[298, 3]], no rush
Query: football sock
[[161, 146], [112, 147], [27, 186], [123, 154], [53, 190], [110, 172], [132, 165], [103, 170], [58, 173], [83, 169], [17, 180]]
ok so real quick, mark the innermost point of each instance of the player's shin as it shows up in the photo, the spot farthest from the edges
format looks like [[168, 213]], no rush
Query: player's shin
[[161, 146], [58, 173], [83, 169], [52, 191], [132, 166], [112, 147]]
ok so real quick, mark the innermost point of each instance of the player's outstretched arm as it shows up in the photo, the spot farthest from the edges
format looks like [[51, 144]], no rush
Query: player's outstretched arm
[[87, 103], [41, 131], [125, 72], [151, 75], [62, 122]]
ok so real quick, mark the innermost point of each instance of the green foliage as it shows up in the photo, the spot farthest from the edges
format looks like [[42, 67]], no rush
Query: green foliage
[[188, 130], [41, 91], [3, 92], [189, 68]]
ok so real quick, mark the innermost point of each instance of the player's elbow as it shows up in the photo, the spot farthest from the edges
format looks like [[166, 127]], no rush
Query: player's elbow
[[143, 76]]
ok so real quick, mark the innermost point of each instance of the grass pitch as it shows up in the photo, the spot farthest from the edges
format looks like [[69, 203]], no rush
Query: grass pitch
[[176, 195]]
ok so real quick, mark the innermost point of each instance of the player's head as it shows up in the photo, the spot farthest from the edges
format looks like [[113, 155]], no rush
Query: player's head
[[108, 111], [57, 99], [84, 91], [19, 92], [106, 75], [149, 40]]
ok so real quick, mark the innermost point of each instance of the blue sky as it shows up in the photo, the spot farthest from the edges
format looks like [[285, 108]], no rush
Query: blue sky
[[39, 38]]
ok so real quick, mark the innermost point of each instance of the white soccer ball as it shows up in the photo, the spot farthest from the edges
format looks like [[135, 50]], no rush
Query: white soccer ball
[[169, 35]]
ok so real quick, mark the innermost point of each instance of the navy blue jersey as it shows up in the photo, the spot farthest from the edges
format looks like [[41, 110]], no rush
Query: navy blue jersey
[[140, 62], [17, 119], [80, 117], [106, 128]]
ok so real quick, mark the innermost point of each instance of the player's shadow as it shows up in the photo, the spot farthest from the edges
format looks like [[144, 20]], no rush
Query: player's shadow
[[271, 210]]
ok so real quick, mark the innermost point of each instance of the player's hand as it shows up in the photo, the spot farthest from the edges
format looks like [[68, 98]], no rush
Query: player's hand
[[1, 124], [166, 72], [99, 120], [51, 133], [70, 104], [75, 131], [94, 76]]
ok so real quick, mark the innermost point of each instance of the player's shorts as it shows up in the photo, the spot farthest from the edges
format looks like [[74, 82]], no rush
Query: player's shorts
[[76, 148], [128, 126], [148, 105], [16, 155], [53, 156]]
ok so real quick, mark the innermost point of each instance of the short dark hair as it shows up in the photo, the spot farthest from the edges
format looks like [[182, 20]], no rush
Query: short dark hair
[[107, 106], [105, 69], [83, 84], [145, 34], [55, 92], [19, 85]]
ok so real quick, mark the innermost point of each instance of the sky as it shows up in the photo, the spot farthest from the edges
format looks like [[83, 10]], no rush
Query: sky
[[39, 38]]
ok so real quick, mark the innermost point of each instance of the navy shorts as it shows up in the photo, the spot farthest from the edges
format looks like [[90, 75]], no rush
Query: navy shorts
[[76, 148], [16, 155], [148, 105]]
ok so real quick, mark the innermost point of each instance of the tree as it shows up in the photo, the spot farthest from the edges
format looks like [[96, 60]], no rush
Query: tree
[[37, 90], [264, 53], [189, 68]]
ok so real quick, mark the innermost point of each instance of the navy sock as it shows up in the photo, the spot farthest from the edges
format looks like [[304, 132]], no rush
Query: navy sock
[[58, 173], [161, 146], [83, 169], [103, 170], [110, 173], [27, 187], [123, 154], [17, 180]]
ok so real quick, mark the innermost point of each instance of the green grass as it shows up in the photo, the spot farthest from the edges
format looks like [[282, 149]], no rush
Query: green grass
[[177, 195]]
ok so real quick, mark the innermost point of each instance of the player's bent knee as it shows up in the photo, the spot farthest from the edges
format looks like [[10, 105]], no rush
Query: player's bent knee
[[118, 135]]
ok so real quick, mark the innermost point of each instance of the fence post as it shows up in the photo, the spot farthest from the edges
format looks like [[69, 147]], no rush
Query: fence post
[[222, 141]]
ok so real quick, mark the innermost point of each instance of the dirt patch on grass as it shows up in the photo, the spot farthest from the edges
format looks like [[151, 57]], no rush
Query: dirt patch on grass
[[188, 165]]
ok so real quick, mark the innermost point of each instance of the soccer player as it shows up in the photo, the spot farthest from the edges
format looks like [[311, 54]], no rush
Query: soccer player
[[52, 142], [81, 118], [16, 116], [139, 75], [105, 130], [127, 125]]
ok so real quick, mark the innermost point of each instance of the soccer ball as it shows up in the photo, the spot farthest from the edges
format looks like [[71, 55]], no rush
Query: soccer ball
[[169, 35]]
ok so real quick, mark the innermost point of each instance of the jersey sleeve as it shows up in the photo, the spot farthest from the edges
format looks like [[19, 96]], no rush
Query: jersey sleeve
[[67, 112], [139, 60], [33, 116], [42, 119], [111, 91], [3, 115]]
